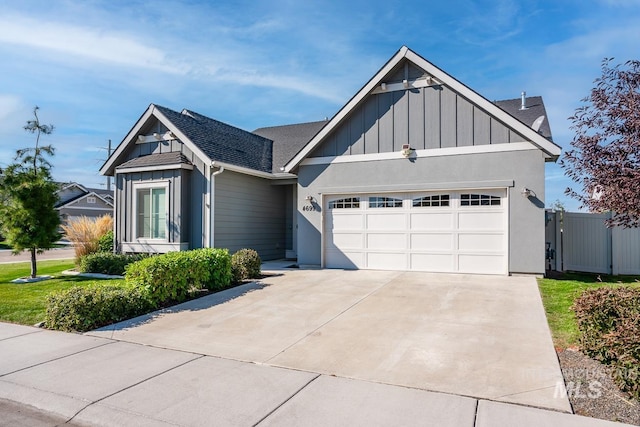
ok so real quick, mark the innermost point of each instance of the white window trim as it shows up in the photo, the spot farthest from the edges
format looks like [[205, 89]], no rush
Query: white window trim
[[149, 185]]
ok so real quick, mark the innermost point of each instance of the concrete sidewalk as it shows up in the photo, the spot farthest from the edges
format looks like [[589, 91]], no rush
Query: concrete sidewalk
[[6, 257], [89, 380]]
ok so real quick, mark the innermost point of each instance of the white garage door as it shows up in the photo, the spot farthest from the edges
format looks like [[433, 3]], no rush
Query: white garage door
[[446, 231]]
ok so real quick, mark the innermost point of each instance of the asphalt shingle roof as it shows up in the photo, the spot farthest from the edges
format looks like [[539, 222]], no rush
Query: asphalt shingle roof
[[159, 159], [223, 142], [288, 140], [535, 108]]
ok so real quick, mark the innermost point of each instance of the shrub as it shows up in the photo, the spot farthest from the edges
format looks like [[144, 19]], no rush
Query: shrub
[[107, 263], [105, 242], [85, 233], [84, 308], [245, 264], [176, 275], [609, 324]]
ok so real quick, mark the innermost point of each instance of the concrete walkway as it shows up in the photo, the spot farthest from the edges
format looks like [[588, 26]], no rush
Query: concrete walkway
[[102, 382], [303, 347], [478, 336]]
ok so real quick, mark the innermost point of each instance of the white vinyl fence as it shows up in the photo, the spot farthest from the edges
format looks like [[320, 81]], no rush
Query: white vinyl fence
[[582, 242]]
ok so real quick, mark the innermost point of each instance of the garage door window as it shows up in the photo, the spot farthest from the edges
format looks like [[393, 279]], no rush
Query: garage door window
[[431, 201], [348, 203], [384, 202], [479, 200]]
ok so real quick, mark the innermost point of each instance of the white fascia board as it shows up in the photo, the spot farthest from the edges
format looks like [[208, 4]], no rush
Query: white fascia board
[[154, 168], [182, 137], [551, 150], [433, 152], [131, 136], [252, 172], [344, 111], [73, 184]]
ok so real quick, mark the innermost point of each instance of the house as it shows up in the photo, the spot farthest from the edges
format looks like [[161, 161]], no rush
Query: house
[[416, 172], [75, 200]]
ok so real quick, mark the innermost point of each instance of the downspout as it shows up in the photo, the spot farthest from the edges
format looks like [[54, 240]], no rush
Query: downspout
[[210, 224]]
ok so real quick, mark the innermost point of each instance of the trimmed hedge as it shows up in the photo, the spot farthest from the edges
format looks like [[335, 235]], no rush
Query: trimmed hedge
[[609, 324], [107, 263], [85, 308], [174, 276], [245, 264]]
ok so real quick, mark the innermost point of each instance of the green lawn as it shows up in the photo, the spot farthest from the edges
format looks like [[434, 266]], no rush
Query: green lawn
[[25, 303], [558, 296]]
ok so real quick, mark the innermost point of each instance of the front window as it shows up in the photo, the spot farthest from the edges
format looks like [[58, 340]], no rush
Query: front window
[[152, 215]]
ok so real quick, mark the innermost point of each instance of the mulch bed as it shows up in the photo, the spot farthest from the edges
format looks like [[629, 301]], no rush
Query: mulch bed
[[593, 393]]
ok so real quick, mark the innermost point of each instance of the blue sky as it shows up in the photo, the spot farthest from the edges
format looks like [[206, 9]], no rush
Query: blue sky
[[93, 67]]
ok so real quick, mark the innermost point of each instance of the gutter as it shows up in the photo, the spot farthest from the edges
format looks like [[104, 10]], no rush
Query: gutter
[[210, 202]]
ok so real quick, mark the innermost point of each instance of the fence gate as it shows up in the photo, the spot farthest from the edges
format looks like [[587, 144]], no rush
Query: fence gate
[[582, 242]]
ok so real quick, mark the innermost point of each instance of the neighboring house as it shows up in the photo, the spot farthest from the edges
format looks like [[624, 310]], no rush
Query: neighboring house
[[416, 172], [75, 200]]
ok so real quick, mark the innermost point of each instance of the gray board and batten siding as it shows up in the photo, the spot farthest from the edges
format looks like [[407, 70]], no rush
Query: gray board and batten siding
[[187, 191], [426, 118]]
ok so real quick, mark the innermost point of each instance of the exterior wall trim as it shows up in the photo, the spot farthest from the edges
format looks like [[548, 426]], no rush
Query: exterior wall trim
[[394, 188], [155, 168], [154, 246], [433, 152]]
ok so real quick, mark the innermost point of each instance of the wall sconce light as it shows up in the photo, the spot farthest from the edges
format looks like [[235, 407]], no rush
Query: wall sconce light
[[526, 193], [407, 150], [309, 199]]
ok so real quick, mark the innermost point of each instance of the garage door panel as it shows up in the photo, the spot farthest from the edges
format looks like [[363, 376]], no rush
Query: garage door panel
[[381, 241], [346, 222], [476, 263], [386, 221], [474, 220], [344, 259], [387, 260], [346, 241], [481, 242], [432, 221], [431, 242], [443, 263]]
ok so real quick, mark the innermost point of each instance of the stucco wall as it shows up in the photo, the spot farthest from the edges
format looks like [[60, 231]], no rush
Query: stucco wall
[[514, 169]]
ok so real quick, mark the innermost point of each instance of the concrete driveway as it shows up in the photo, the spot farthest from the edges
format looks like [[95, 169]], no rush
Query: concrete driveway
[[479, 336]]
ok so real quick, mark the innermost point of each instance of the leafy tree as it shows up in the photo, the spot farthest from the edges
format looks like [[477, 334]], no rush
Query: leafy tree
[[605, 158], [28, 218]]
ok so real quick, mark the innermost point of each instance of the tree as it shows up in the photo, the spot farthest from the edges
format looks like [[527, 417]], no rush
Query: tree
[[28, 218], [605, 158]]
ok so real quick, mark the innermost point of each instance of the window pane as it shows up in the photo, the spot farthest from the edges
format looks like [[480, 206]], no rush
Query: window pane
[[144, 214], [159, 220]]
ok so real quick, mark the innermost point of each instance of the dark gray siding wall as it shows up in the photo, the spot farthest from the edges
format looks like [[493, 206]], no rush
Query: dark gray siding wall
[[431, 117], [517, 168], [193, 188], [125, 185], [249, 212]]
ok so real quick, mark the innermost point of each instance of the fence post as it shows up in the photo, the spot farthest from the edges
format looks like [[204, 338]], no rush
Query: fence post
[[559, 243]]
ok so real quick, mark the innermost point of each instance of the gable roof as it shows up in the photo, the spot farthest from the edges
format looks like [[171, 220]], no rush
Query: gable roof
[[209, 139], [83, 196], [550, 150], [289, 139]]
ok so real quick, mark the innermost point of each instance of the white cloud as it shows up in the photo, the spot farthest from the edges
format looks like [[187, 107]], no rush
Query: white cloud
[[84, 42]]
